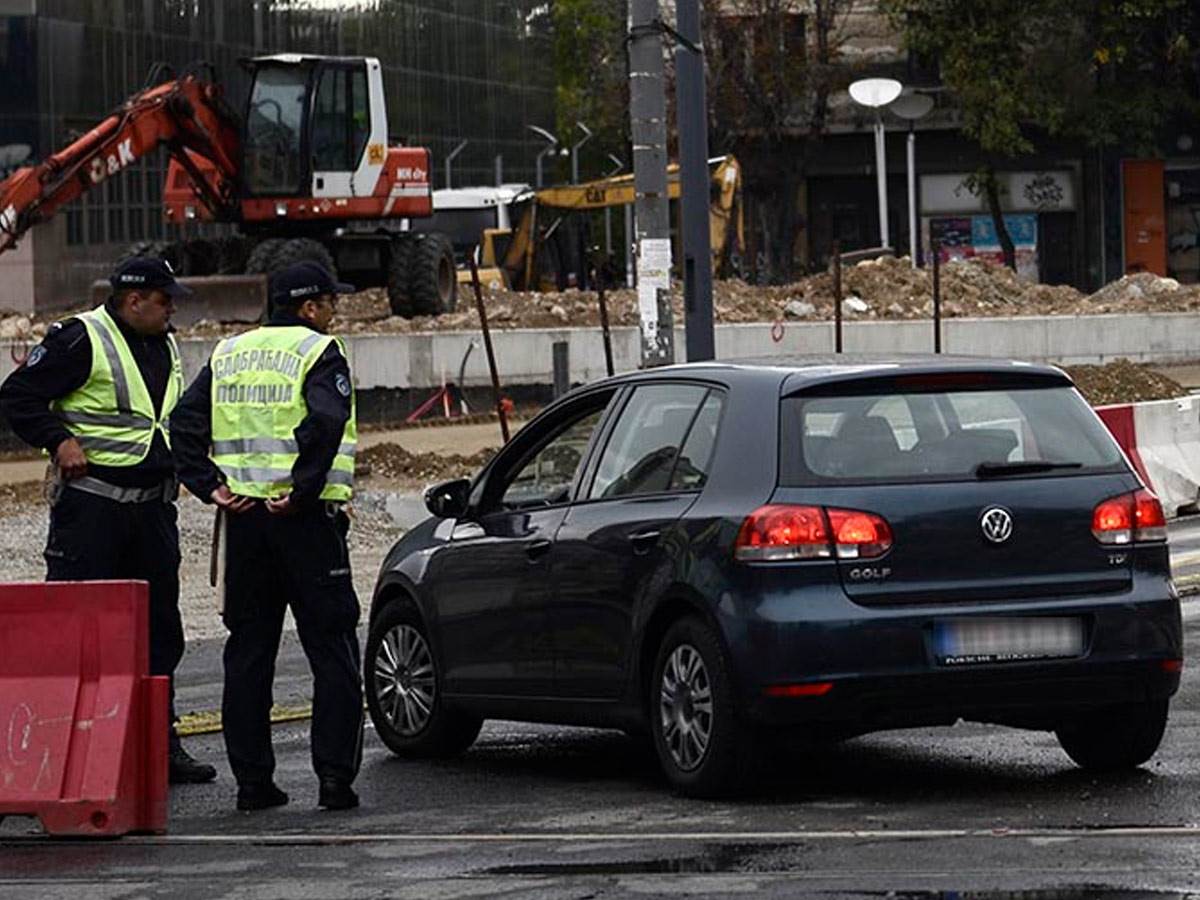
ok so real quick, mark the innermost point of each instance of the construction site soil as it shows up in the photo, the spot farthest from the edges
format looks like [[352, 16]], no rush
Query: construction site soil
[[886, 288]]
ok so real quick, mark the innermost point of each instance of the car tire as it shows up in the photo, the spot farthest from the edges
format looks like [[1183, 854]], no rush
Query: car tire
[[403, 688], [701, 746], [1113, 738]]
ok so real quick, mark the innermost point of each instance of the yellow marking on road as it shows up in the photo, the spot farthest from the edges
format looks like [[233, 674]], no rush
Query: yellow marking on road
[[209, 721]]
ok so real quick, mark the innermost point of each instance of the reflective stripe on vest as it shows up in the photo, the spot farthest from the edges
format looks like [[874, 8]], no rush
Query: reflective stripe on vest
[[257, 404], [112, 414]]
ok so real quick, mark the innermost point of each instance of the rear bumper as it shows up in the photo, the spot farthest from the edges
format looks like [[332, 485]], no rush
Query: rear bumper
[[884, 673], [1027, 696]]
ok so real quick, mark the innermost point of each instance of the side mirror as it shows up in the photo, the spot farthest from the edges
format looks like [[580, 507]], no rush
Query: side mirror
[[448, 500]]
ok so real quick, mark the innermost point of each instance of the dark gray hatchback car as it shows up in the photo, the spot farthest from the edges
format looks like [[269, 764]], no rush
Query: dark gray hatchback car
[[721, 553]]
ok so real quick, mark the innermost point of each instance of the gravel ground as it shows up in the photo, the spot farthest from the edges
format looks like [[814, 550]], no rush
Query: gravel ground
[[23, 537]]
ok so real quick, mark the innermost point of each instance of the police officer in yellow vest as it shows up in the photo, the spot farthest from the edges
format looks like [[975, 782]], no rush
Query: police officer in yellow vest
[[276, 407], [96, 394]]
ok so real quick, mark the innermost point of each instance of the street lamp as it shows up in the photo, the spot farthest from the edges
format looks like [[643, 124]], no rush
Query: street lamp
[[450, 160], [876, 93], [587, 136], [550, 148], [912, 106]]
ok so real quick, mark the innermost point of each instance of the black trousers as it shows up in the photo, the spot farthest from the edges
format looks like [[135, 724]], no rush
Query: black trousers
[[272, 562], [96, 538]]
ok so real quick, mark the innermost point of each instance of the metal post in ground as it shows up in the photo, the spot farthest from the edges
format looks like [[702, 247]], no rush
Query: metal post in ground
[[601, 278], [936, 250], [837, 297], [487, 344], [560, 359], [692, 113], [648, 124]]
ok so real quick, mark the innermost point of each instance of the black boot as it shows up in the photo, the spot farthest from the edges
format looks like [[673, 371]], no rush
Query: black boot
[[185, 770], [259, 796], [337, 794]]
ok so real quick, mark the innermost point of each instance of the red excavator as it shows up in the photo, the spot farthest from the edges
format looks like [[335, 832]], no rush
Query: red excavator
[[305, 173]]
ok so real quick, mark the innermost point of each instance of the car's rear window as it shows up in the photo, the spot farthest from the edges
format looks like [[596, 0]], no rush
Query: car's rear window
[[941, 435]]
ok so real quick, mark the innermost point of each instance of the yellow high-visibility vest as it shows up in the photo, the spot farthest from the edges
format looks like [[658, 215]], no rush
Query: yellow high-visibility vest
[[257, 404], [111, 414]]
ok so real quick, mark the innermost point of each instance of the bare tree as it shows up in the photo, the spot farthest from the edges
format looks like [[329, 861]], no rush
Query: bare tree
[[772, 67]]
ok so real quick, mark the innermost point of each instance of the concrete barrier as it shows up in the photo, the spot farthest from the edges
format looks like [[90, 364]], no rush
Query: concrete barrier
[[423, 361], [1162, 440]]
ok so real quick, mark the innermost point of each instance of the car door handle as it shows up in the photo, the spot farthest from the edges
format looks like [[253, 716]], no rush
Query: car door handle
[[644, 541], [537, 549]]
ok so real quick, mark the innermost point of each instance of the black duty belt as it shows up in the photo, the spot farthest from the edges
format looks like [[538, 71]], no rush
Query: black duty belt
[[165, 492]]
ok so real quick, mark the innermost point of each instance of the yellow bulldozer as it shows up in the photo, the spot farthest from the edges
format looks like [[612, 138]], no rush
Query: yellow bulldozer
[[529, 239]]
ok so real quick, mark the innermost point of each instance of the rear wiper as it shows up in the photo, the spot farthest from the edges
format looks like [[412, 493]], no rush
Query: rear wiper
[[1000, 469]]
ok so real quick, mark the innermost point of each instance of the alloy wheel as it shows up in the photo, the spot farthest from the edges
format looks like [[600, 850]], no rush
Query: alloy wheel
[[404, 680], [686, 707]]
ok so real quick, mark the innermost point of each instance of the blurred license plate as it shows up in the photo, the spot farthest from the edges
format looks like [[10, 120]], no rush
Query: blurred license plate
[[965, 642]]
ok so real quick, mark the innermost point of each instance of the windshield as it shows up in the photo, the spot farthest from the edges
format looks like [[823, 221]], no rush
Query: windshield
[[944, 435], [274, 121]]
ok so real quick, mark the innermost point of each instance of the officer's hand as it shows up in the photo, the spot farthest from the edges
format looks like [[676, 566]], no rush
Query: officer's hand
[[69, 458], [229, 501], [281, 507]]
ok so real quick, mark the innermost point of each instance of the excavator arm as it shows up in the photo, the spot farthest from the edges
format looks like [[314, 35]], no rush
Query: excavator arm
[[188, 115]]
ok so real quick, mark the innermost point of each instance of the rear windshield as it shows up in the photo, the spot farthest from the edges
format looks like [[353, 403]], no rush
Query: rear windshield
[[937, 436]]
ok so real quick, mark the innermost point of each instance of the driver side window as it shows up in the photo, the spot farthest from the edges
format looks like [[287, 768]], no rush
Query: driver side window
[[545, 478]]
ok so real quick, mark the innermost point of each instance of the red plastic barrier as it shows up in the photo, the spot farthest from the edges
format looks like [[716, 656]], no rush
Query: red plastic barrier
[[1119, 420], [83, 727]]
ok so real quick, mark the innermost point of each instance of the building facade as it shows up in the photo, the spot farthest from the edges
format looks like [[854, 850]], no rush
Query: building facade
[[477, 71]]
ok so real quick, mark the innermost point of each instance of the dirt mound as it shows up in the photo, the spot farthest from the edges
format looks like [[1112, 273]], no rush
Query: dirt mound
[[1122, 381], [391, 461], [885, 288]]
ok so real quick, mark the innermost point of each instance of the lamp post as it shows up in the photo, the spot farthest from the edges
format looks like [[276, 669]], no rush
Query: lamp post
[[587, 136], [876, 93], [550, 148], [450, 160], [912, 106]]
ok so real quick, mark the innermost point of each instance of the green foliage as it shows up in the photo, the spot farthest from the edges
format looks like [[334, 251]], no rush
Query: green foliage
[[592, 83], [1107, 72]]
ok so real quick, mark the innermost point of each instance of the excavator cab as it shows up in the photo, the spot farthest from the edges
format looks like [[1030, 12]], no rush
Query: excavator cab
[[316, 126]]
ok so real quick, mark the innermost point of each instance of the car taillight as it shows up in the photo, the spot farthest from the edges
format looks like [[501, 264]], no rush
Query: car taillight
[[859, 535], [774, 532], [1129, 518], [779, 532]]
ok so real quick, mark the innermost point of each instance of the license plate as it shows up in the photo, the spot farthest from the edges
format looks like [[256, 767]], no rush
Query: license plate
[[966, 642]]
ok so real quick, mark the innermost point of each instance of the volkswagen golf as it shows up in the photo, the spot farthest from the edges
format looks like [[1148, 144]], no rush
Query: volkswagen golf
[[720, 554]]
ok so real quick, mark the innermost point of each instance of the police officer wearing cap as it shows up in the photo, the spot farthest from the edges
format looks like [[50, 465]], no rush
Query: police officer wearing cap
[[276, 407], [96, 394]]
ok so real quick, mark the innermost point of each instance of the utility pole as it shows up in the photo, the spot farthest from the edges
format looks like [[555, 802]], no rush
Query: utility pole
[[648, 124], [693, 161]]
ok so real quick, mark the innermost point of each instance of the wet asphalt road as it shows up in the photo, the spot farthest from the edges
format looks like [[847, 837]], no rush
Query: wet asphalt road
[[536, 811]]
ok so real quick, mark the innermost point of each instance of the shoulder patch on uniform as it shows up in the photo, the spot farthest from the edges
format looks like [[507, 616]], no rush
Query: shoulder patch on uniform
[[55, 326], [36, 355], [342, 383]]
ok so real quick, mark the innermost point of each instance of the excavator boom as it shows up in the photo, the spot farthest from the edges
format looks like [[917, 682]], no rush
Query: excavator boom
[[183, 114]]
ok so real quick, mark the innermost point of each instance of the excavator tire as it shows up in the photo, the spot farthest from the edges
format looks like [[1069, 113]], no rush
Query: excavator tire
[[164, 250], [261, 260], [298, 250], [233, 252], [432, 280], [198, 257], [399, 269]]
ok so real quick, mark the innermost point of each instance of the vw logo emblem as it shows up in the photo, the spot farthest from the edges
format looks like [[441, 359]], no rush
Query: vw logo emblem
[[997, 524]]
